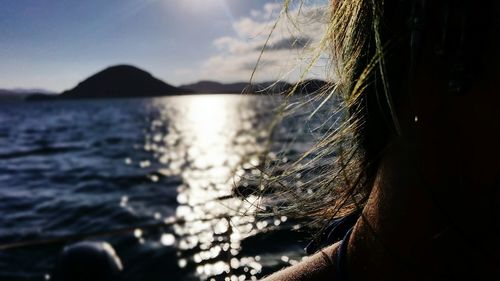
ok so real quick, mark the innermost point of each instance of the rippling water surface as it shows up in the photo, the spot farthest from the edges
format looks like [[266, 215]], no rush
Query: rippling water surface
[[160, 172]]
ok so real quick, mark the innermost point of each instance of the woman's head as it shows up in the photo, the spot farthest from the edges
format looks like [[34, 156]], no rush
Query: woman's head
[[418, 150], [421, 83], [418, 76], [423, 72]]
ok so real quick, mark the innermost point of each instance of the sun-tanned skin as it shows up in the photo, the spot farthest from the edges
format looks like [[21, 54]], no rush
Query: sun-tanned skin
[[319, 266]]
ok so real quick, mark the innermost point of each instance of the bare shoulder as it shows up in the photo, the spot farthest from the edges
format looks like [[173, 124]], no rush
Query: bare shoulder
[[319, 266]]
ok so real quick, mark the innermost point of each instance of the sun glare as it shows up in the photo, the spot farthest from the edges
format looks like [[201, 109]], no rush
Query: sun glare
[[203, 6]]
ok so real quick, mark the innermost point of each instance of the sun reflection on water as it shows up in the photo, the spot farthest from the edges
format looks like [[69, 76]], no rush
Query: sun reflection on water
[[205, 146]]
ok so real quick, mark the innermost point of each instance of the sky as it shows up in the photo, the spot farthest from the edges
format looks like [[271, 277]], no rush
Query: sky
[[55, 44]]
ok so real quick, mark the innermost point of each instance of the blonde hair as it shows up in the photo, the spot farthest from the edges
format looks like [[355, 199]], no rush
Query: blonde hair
[[342, 186]]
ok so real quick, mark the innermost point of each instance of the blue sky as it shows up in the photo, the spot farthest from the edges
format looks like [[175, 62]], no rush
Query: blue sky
[[55, 44]]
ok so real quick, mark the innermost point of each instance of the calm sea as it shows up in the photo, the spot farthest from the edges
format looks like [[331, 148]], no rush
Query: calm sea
[[153, 177]]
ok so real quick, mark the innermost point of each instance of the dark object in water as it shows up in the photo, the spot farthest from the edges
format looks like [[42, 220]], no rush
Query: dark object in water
[[89, 261]]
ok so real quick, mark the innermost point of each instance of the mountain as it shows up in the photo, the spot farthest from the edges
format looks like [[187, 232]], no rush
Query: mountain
[[312, 86], [41, 96], [8, 95], [32, 90], [237, 88], [279, 87], [216, 87], [121, 81], [21, 94], [125, 81]]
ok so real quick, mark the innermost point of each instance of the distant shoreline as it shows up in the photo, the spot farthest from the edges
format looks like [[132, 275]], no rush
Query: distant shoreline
[[55, 98], [126, 81]]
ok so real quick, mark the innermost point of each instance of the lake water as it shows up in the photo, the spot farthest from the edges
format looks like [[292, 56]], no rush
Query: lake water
[[157, 173]]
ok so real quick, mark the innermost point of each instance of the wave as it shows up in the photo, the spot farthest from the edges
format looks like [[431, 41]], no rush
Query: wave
[[43, 151]]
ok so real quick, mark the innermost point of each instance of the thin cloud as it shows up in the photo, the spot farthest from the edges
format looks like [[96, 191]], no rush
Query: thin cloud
[[286, 54], [289, 43]]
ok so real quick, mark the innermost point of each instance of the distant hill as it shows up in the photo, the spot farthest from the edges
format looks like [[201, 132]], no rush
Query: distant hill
[[124, 81], [21, 94], [41, 96], [216, 87], [8, 95], [208, 87], [121, 81], [277, 87], [312, 86], [280, 87], [32, 90]]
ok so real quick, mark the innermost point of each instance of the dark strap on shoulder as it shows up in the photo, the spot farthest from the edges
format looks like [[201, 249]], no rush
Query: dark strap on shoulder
[[333, 233], [341, 258]]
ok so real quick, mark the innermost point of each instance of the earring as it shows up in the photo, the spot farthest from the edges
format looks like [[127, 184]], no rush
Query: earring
[[416, 26]]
